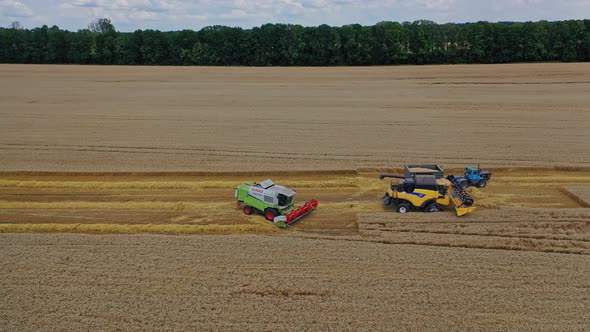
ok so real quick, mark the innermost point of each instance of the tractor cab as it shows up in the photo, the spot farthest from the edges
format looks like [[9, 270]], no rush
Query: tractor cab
[[471, 171], [476, 174]]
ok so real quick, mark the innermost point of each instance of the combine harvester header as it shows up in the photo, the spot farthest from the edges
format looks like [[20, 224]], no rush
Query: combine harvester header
[[461, 199]]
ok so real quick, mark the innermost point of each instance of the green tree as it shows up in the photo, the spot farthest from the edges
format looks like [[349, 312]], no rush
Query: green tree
[[101, 25], [321, 46], [57, 46], [386, 43], [199, 55], [81, 44]]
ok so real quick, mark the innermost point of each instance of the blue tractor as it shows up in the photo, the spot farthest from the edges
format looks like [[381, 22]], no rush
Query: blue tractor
[[474, 176]]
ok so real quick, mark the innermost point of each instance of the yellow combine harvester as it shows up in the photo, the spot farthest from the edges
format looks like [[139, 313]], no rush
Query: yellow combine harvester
[[423, 188]]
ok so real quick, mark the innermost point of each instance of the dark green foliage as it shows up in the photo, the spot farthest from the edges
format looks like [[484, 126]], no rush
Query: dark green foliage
[[386, 43]]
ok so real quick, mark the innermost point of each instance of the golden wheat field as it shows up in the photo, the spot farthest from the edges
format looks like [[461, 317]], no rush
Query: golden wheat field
[[72, 118], [259, 283], [117, 208]]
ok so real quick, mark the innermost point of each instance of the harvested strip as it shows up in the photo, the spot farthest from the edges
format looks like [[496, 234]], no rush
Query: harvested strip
[[353, 206], [482, 242], [115, 205], [349, 206], [505, 215], [138, 228], [515, 180], [580, 194]]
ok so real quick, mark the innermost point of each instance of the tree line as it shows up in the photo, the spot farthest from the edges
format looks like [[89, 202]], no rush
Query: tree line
[[386, 43]]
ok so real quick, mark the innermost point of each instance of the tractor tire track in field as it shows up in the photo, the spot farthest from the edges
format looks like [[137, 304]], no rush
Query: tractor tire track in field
[[150, 149], [216, 159]]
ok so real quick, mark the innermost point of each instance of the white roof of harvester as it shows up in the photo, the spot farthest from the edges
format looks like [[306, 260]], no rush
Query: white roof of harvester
[[270, 186]]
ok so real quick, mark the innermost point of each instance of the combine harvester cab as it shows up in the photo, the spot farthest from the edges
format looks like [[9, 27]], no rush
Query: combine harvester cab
[[273, 201]]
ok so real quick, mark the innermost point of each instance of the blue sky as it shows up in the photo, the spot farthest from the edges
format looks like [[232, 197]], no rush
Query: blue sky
[[129, 15]]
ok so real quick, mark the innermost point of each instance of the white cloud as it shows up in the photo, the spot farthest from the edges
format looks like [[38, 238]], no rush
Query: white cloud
[[437, 4], [126, 12], [128, 15], [123, 5], [14, 9]]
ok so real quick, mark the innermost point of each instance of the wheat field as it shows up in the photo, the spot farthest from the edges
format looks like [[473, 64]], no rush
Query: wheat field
[[117, 208], [261, 283], [170, 119]]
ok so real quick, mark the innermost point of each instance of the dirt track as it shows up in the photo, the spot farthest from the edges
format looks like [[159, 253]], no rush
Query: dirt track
[[73, 118], [242, 283]]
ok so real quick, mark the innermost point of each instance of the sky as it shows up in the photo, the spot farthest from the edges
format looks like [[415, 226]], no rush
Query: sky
[[130, 15]]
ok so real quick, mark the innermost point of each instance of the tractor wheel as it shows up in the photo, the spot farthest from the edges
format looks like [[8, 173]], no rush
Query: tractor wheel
[[248, 210], [270, 214], [431, 207], [482, 184], [464, 184], [403, 208]]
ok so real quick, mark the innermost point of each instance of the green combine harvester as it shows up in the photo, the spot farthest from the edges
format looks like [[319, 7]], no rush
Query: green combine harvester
[[273, 201]]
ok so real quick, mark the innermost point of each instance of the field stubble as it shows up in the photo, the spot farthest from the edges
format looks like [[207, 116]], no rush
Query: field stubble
[[131, 119], [255, 283]]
